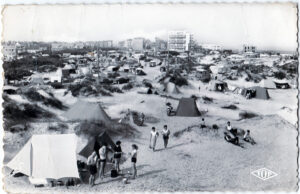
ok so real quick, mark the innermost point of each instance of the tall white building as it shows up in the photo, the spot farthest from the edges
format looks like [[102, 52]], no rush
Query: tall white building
[[179, 41]]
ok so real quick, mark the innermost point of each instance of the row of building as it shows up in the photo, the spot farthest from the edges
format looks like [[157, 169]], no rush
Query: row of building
[[180, 41]]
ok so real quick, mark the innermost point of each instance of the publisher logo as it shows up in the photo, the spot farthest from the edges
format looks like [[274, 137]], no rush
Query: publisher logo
[[264, 174]]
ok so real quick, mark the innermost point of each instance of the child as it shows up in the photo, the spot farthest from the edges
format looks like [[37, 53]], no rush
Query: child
[[91, 163], [165, 135], [117, 155], [202, 125], [249, 139], [133, 160], [153, 137]]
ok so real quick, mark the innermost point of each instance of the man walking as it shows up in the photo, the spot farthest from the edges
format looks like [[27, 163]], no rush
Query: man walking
[[165, 135]]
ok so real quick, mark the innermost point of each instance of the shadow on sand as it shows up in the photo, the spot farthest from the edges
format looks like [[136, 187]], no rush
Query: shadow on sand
[[171, 147]]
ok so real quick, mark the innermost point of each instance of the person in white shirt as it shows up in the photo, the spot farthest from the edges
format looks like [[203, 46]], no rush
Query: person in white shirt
[[134, 160], [229, 128], [102, 154], [91, 163], [153, 137], [165, 134]]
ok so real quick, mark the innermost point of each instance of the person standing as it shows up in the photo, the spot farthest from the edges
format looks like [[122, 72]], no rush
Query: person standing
[[117, 155], [153, 137], [133, 160], [165, 135], [91, 163], [102, 154]]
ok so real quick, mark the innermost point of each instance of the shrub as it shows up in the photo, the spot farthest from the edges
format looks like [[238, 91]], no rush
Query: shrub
[[279, 75], [107, 81], [247, 115], [127, 86], [214, 126], [112, 89], [147, 84], [123, 80], [33, 95], [113, 75], [56, 85], [179, 81], [232, 107]]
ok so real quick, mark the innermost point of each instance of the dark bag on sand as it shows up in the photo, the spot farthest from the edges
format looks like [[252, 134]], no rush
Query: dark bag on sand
[[113, 173]]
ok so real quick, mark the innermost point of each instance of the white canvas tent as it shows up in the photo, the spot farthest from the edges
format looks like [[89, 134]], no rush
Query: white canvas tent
[[47, 157], [267, 83]]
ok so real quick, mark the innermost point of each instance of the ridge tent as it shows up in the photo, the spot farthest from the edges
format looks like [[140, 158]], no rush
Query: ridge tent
[[187, 107], [86, 111], [171, 88], [269, 84], [96, 143], [47, 157], [257, 92], [218, 86], [282, 85]]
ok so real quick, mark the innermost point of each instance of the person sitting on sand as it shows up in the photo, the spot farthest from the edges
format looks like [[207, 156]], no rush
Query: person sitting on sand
[[229, 127], [133, 160], [91, 163], [153, 137], [165, 134], [230, 138], [117, 155], [249, 139], [102, 154], [202, 125]]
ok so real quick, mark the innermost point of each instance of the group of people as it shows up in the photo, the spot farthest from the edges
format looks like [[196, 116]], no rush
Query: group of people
[[155, 134], [231, 136], [97, 162]]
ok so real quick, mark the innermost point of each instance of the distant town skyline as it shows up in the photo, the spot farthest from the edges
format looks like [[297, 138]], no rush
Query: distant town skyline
[[267, 26]]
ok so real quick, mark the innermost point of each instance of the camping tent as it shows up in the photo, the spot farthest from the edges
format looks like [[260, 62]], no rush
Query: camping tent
[[170, 88], [259, 92], [48, 157], [282, 85], [266, 83], [219, 86], [96, 143], [187, 107], [88, 111]]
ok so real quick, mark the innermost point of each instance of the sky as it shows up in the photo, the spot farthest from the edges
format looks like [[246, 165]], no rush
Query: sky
[[267, 26]]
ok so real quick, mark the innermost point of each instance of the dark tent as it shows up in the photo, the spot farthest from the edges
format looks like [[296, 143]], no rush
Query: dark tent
[[256, 92], [218, 86], [282, 85], [96, 143], [187, 107]]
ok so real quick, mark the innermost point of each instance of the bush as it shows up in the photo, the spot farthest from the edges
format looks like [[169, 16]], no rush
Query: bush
[[123, 80], [113, 75], [214, 126], [127, 86], [232, 107], [107, 81], [56, 85], [33, 95], [83, 88], [14, 114], [179, 81], [279, 75], [112, 89], [147, 84], [104, 92], [247, 115]]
